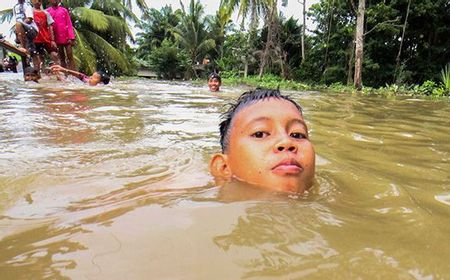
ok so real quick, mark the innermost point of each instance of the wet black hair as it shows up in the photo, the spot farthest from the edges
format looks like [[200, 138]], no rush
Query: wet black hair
[[214, 75], [104, 78], [31, 71], [243, 101]]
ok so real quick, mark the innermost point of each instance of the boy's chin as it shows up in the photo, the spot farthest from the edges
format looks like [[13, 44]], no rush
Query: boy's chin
[[280, 186]]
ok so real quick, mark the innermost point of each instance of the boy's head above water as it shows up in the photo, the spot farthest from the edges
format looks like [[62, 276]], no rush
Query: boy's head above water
[[99, 77], [265, 142], [214, 82], [31, 74]]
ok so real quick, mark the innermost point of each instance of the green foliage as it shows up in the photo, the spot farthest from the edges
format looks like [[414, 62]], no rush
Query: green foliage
[[168, 61], [92, 18], [239, 50], [445, 76], [156, 26], [426, 88], [192, 34], [266, 81], [6, 15], [219, 24], [333, 74]]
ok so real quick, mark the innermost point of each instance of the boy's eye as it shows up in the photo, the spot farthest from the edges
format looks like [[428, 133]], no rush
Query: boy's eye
[[260, 134], [298, 135]]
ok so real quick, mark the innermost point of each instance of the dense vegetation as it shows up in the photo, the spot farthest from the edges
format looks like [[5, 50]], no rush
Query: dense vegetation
[[406, 44], [399, 46]]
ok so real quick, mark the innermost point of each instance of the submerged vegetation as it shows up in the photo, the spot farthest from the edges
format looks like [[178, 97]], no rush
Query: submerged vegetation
[[382, 47]]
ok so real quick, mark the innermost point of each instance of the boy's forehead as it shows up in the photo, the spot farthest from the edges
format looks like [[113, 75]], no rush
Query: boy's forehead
[[265, 108]]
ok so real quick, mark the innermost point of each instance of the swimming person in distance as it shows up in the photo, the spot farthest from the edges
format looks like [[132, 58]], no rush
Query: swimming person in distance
[[214, 82], [96, 78], [265, 143]]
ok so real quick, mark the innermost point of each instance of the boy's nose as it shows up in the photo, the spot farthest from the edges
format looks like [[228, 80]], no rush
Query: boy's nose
[[286, 144]]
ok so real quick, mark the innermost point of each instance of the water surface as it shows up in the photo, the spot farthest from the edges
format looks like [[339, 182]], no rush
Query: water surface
[[112, 182]]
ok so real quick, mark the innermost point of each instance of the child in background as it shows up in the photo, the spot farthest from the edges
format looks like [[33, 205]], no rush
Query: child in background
[[96, 78], [214, 82], [45, 40], [265, 143], [26, 29], [64, 33], [31, 74]]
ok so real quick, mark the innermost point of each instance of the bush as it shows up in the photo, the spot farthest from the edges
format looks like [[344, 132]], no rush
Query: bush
[[168, 61], [333, 74], [445, 76]]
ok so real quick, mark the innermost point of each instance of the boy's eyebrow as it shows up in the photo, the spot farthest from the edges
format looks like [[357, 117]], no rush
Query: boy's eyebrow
[[299, 121], [259, 119], [290, 123]]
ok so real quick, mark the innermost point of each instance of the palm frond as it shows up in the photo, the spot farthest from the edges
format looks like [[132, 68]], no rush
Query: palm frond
[[115, 8], [118, 33], [118, 25], [83, 54], [70, 4], [107, 53], [205, 46], [6, 15], [445, 76], [94, 18]]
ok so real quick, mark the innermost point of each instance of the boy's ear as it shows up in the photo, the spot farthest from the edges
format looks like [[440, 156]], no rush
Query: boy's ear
[[219, 166]]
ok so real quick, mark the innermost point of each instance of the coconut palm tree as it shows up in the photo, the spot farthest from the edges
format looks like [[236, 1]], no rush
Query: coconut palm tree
[[156, 26], [219, 24], [192, 33], [101, 32], [267, 9]]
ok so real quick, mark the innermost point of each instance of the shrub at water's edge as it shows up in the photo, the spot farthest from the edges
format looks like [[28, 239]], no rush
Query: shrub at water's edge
[[428, 88], [445, 76]]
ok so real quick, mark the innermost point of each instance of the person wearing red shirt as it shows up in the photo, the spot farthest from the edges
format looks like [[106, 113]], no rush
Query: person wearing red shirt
[[45, 40]]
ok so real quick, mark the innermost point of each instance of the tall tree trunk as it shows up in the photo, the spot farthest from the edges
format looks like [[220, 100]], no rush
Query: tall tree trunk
[[303, 30], [351, 52], [271, 20], [359, 44], [245, 68], [397, 60], [329, 12]]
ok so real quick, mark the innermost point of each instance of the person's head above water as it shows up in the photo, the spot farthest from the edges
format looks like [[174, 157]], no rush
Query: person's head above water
[[31, 74], [214, 82], [265, 142], [99, 77]]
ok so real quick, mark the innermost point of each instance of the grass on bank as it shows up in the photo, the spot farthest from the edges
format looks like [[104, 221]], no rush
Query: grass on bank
[[428, 88]]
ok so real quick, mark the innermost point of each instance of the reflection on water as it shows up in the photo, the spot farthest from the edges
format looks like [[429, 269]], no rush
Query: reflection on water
[[111, 183]]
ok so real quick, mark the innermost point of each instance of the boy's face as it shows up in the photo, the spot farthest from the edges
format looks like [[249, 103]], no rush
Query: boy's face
[[269, 147], [31, 77], [94, 79], [54, 2], [213, 84], [36, 4]]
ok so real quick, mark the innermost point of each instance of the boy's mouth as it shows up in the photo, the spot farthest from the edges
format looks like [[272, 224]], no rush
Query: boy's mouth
[[287, 167]]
